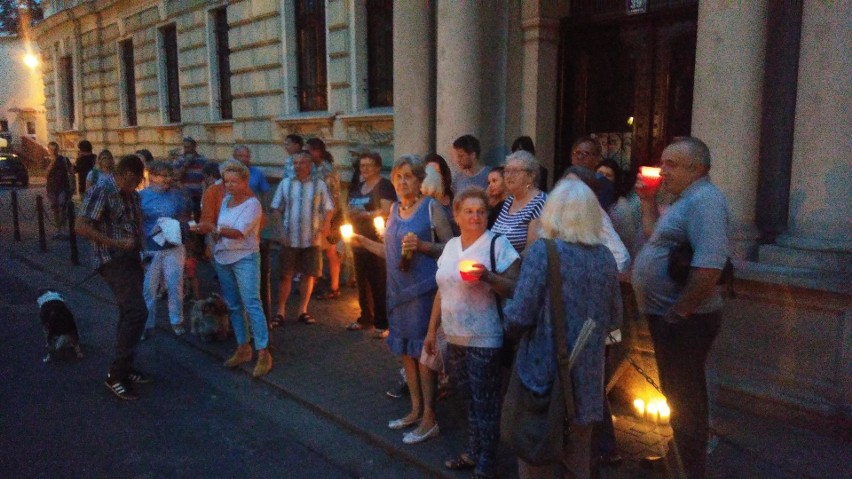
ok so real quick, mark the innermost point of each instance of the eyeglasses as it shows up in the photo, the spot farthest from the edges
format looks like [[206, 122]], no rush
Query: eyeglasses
[[581, 153], [514, 171]]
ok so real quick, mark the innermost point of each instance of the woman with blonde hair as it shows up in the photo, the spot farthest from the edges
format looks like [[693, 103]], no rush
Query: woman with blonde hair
[[236, 254], [104, 166], [588, 282]]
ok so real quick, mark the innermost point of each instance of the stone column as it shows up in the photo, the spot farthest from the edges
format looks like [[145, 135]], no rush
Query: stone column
[[541, 48], [821, 179], [726, 112], [459, 50], [413, 77]]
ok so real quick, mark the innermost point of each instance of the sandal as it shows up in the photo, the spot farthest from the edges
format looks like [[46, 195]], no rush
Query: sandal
[[355, 326], [460, 462], [333, 294], [307, 318], [278, 320], [178, 329]]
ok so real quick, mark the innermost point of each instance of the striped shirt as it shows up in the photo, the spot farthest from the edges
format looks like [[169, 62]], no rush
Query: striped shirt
[[303, 205], [116, 214], [515, 225]]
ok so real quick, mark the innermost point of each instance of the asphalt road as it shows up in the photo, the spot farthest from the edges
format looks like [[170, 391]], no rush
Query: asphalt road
[[195, 420]]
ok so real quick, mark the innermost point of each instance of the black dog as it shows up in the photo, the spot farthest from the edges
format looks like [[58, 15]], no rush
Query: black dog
[[57, 321]]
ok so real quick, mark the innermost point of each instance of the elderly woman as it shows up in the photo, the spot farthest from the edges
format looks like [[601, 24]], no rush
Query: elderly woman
[[467, 311], [589, 285], [236, 254], [161, 202], [415, 235], [369, 200], [525, 200]]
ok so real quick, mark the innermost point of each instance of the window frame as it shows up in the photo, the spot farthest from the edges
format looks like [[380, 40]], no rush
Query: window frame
[[221, 93], [127, 82], [168, 68], [379, 70], [312, 59]]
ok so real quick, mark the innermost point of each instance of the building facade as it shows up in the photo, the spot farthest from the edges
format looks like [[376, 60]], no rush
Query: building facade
[[765, 84], [22, 112]]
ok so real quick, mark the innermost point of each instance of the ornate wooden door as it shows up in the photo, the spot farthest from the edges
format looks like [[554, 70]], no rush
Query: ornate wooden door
[[628, 82]]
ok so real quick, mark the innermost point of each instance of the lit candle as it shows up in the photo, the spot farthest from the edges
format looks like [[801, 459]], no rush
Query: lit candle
[[346, 232], [639, 408], [465, 267], [665, 412], [650, 176], [379, 224], [652, 412]]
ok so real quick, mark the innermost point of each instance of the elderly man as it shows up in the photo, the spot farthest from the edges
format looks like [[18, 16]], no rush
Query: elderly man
[[111, 218], [586, 153], [304, 206], [683, 317], [257, 180]]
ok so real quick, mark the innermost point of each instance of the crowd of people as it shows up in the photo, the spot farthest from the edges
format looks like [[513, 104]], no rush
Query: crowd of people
[[436, 275]]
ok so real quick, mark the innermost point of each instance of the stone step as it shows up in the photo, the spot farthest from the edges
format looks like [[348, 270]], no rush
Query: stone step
[[835, 261]]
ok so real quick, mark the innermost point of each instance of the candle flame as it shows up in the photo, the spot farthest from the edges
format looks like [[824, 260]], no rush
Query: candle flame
[[346, 232]]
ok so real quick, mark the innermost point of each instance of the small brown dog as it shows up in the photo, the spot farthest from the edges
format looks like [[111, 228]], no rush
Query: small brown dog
[[209, 318]]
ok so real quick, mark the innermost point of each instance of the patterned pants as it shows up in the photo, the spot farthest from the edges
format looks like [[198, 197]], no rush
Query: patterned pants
[[476, 373]]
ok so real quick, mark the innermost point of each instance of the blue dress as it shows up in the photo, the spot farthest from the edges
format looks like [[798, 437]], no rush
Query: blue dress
[[409, 294]]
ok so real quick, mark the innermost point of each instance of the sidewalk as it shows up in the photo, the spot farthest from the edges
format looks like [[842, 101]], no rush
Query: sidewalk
[[342, 376]]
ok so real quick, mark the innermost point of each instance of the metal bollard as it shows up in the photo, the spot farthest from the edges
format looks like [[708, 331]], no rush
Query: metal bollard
[[72, 236], [15, 222], [265, 296], [42, 240]]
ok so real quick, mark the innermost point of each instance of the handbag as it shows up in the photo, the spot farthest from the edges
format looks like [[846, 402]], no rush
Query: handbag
[[680, 264], [535, 427]]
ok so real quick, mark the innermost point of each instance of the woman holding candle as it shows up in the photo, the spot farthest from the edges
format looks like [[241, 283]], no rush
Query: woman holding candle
[[525, 199], [415, 235], [589, 285], [466, 308], [370, 200], [236, 254]]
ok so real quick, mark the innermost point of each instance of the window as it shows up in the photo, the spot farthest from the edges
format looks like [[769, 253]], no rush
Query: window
[[169, 68], [310, 53], [128, 82], [221, 65], [66, 79], [380, 52], [31, 128]]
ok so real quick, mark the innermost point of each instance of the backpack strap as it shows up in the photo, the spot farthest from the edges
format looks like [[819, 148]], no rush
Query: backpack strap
[[493, 257]]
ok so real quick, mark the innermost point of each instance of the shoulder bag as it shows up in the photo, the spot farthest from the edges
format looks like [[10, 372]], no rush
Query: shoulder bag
[[535, 427]]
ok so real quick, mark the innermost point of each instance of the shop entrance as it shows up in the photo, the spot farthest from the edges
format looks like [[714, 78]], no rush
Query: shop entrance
[[627, 80]]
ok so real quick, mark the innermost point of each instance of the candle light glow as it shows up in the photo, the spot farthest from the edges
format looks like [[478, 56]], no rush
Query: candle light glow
[[379, 224], [650, 176], [465, 267], [346, 232]]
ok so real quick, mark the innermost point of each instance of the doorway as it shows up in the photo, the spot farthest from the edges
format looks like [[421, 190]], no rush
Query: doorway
[[627, 81]]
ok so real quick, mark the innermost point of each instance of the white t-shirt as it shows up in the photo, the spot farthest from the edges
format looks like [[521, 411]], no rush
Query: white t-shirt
[[469, 309], [244, 217]]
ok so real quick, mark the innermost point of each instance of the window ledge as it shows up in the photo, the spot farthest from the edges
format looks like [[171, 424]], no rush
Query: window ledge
[[306, 117], [127, 128], [169, 126], [368, 115], [218, 124]]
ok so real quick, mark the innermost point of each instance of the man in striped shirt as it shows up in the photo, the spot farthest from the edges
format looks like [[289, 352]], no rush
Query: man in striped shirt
[[304, 208]]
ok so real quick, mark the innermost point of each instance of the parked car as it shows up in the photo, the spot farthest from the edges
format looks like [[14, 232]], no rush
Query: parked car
[[12, 170]]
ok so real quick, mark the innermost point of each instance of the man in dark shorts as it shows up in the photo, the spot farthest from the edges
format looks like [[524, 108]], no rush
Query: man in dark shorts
[[111, 217], [303, 206]]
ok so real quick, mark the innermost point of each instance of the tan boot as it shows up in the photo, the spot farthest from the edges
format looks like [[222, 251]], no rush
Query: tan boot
[[264, 363], [241, 355]]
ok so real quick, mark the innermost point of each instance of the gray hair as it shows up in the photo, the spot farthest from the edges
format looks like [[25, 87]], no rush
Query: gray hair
[[572, 213], [696, 149], [240, 146], [414, 162], [527, 159], [234, 166]]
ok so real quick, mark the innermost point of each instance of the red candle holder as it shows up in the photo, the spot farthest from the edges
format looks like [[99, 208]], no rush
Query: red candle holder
[[650, 176]]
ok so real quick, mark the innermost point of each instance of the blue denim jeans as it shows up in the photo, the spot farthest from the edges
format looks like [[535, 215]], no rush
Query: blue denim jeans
[[240, 282]]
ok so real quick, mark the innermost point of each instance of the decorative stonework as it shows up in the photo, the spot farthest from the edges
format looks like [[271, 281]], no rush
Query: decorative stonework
[[319, 124], [369, 128]]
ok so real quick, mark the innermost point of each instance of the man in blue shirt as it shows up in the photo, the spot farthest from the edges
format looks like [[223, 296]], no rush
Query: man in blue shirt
[[683, 316], [257, 180]]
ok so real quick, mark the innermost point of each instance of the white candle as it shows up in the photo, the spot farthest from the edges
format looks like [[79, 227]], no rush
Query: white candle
[[639, 408], [346, 232], [379, 224]]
